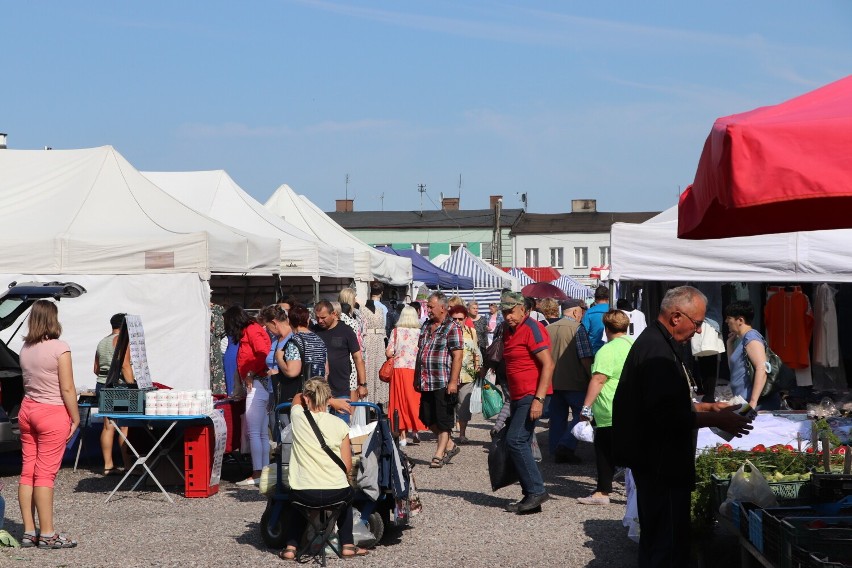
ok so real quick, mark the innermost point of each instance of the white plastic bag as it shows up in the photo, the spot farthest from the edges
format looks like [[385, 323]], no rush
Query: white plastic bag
[[583, 431], [476, 398], [359, 416], [749, 487]]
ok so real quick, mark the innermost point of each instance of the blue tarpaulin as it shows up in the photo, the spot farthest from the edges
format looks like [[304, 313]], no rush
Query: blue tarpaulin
[[431, 275]]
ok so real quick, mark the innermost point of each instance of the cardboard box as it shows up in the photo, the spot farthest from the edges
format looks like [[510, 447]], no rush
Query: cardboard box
[[358, 443]]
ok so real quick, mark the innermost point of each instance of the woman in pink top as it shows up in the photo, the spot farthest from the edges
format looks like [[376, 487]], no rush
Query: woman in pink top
[[48, 418]]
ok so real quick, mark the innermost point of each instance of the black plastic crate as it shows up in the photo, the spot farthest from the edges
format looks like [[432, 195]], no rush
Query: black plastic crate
[[797, 532], [122, 401], [828, 487]]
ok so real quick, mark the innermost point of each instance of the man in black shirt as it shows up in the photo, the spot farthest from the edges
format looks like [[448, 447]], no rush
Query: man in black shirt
[[655, 427], [340, 342]]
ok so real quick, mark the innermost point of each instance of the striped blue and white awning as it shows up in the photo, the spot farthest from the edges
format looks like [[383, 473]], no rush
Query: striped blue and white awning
[[464, 263], [573, 288], [522, 276], [482, 297]]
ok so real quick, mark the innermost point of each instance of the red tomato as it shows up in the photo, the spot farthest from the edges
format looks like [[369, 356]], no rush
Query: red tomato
[[759, 448], [809, 451], [839, 450], [725, 448], [790, 448]]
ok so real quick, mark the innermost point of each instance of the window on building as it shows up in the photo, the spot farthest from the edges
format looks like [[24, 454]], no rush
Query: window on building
[[581, 257], [531, 257], [487, 251], [557, 257], [456, 246], [605, 256], [422, 249]]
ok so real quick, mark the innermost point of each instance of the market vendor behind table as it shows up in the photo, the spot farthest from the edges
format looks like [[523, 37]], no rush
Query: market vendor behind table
[[655, 425]]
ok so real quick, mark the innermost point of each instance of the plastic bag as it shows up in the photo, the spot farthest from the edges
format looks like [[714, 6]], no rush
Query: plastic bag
[[583, 431], [501, 468], [476, 398], [359, 416], [492, 399], [749, 487]]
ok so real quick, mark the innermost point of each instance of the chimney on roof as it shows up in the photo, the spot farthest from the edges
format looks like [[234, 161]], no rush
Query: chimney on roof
[[344, 205], [492, 200], [584, 206], [450, 203], [2, 140]]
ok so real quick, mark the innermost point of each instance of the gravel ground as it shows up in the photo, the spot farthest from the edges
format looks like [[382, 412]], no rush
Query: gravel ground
[[462, 521]]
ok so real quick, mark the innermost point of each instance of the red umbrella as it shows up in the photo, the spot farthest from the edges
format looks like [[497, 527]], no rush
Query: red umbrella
[[543, 290], [775, 169]]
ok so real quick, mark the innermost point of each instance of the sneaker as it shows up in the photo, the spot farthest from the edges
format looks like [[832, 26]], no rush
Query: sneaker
[[593, 500], [513, 507], [250, 482], [532, 503], [403, 443]]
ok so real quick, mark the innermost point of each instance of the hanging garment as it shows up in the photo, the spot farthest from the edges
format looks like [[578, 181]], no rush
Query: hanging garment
[[789, 325], [826, 342]]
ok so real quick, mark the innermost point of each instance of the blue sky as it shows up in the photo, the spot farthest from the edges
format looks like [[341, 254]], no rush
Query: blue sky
[[562, 100]]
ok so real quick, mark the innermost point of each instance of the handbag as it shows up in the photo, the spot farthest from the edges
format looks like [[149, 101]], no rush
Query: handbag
[[287, 387], [386, 372], [492, 399], [778, 375], [494, 352]]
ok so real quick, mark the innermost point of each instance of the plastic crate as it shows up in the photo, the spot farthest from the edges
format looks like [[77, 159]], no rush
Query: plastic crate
[[198, 446], [787, 492], [831, 486], [771, 529], [122, 401], [743, 510], [832, 554], [795, 532], [755, 531]]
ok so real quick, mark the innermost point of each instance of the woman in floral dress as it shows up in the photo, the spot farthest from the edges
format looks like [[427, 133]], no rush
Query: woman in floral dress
[[373, 325]]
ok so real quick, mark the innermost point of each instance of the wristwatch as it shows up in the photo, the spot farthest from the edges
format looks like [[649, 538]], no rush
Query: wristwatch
[[539, 398], [362, 385]]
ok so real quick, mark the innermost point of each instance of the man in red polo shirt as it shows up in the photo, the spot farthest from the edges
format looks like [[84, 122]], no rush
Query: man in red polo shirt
[[529, 371]]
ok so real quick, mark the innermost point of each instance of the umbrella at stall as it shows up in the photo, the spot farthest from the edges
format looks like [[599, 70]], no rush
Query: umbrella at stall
[[775, 169], [541, 290]]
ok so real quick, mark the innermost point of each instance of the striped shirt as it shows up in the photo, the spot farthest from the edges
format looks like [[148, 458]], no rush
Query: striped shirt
[[313, 347]]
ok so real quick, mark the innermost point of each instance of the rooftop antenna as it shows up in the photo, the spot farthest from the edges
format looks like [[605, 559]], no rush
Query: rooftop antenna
[[422, 189], [347, 186], [460, 184], [382, 198]]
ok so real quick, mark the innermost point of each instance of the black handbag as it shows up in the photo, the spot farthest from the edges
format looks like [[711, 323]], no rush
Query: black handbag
[[287, 387], [494, 352]]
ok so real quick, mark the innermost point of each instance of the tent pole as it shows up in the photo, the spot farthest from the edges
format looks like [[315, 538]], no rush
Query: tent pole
[[316, 291]]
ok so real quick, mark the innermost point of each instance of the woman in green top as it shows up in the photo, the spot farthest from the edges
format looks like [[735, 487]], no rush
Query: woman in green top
[[606, 370]]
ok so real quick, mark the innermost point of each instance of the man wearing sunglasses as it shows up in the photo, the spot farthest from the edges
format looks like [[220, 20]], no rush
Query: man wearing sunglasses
[[655, 427]]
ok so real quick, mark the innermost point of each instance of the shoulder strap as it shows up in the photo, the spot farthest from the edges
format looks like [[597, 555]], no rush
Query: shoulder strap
[[334, 457]]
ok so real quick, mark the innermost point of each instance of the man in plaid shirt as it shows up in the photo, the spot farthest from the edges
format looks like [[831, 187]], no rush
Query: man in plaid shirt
[[439, 360]]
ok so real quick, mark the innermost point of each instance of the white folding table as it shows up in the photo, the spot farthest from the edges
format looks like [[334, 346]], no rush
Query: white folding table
[[150, 424]]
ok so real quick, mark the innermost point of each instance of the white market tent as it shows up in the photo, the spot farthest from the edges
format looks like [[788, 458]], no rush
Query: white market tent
[[485, 276], [216, 194], [370, 264], [652, 251], [90, 217], [523, 278], [573, 288]]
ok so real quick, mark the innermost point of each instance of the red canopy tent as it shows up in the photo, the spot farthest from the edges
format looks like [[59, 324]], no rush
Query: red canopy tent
[[775, 169]]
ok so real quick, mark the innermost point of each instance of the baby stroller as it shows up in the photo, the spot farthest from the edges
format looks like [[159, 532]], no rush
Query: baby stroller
[[382, 479]]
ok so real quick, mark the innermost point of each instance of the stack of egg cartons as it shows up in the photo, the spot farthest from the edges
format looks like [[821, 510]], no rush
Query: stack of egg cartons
[[178, 403]]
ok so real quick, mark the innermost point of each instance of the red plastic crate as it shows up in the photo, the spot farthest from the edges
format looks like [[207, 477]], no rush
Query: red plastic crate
[[198, 442]]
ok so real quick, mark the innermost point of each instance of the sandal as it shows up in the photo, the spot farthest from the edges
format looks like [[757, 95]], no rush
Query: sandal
[[29, 540], [355, 550], [287, 554], [113, 471], [437, 463], [448, 456], [56, 541]]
